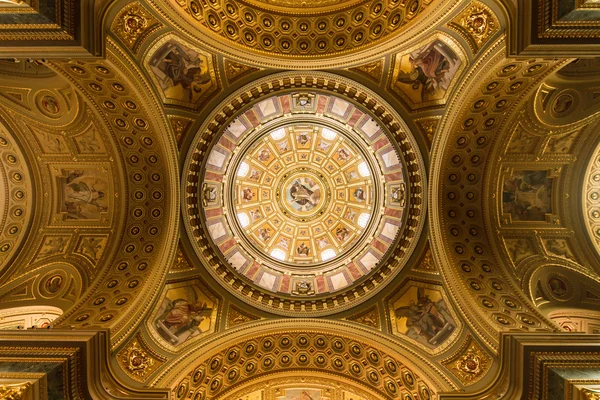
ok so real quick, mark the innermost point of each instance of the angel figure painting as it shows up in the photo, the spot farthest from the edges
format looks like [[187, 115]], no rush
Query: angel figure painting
[[183, 74], [527, 195], [425, 74], [85, 194], [422, 315], [184, 313]]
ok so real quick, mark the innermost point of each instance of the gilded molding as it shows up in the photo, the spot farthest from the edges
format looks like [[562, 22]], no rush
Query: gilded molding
[[235, 70], [133, 23], [138, 360], [369, 317], [16, 391], [476, 274], [428, 126], [470, 363], [372, 70], [213, 128], [477, 24], [236, 316]]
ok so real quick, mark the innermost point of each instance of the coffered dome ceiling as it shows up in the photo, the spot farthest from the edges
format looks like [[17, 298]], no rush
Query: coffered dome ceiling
[[311, 28], [283, 200], [304, 196]]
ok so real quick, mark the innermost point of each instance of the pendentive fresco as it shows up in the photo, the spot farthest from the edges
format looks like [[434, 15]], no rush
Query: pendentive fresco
[[299, 200]]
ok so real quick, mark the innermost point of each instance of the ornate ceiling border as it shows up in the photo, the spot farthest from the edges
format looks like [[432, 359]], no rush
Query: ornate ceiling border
[[387, 119], [553, 28], [460, 239], [426, 22], [142, 128], [187, 363]]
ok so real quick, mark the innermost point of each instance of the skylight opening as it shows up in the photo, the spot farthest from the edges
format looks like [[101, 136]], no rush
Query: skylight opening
[[244, 168], [363, 219], [363, 169], [278, 254], [244, 219], [327, 254], [328, 134], [278, 134]]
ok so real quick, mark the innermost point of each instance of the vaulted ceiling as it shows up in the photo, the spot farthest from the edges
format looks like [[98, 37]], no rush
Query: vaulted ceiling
[[272, 199]]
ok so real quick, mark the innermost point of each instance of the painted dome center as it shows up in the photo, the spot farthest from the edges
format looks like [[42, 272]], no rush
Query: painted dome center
[[304, 194]]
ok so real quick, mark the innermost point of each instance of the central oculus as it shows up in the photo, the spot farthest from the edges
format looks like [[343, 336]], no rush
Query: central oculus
[[303, 194]]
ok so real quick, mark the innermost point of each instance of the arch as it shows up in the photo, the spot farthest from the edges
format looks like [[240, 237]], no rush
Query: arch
[[231, 360], [38, 316]]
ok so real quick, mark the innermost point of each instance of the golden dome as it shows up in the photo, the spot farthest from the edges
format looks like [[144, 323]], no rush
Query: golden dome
[[311, 28], [302, 195]]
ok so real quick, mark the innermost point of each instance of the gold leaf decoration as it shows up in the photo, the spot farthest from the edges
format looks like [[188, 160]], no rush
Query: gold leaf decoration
[[133, 22], [180, 264], [180, 127], [235, 317], [428, 126], [426, 264], [138, 360], [235, 70], [373, 70], [369, 318], [17, 391], [470, 363], [477, 23]]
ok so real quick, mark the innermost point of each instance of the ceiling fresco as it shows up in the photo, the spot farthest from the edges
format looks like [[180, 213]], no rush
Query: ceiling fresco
[[298, 200]]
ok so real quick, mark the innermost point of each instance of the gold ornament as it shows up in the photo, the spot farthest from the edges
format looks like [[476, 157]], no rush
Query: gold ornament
[[235, 316], [428, 126], [369, 318], [235, 70], [476, 24], [373, 70], [132, 22], [137, 361], [17, 391], [470, 363]]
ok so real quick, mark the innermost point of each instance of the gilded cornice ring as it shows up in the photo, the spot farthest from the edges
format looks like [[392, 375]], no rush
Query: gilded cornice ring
[[387, 119]]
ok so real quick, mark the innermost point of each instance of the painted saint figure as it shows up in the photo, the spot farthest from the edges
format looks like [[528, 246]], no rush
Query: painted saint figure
[[427, 321], [343, 154], [85, 195], [304, 194], [247, 194], [303, 250], [432, 69], [181, 319], [342, 233], [182, 73], [264, 155]]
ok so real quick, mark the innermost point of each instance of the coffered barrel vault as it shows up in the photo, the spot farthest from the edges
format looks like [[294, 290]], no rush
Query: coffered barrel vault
[[282, 200]]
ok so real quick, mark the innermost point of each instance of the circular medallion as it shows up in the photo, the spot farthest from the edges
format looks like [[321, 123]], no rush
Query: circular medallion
[[303, 194], [302, 197]]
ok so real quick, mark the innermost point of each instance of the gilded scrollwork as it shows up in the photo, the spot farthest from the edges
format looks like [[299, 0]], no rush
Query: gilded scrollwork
[[235, 70], [424, 213], [369, 317], [470, 364], [372, 70], [132, 23], [15, 391], [477, 23], [138, 360]]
